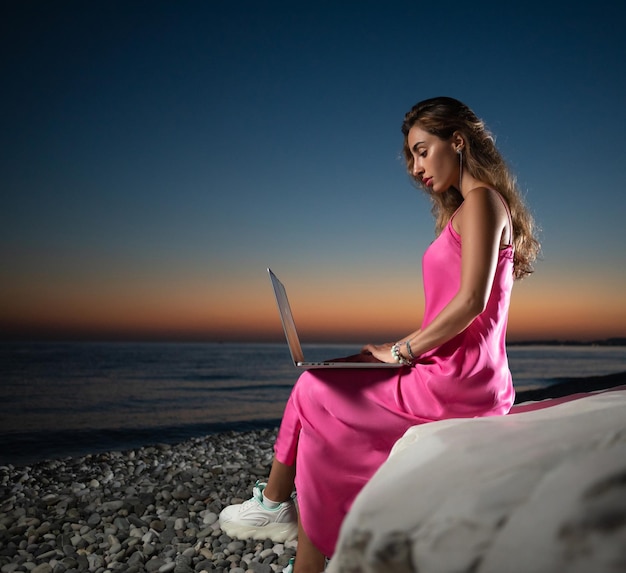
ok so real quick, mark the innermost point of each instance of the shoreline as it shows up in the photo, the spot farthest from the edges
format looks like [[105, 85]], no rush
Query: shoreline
[[560, 387], [28, 448]]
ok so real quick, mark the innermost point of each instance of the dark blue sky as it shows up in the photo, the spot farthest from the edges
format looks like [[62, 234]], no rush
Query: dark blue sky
[[156, 156]]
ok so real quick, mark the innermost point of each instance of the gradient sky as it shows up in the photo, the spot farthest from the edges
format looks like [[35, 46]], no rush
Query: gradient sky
[[156, 157]]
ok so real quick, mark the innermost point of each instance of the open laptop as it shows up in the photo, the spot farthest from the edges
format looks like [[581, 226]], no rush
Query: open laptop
[[294, 342]]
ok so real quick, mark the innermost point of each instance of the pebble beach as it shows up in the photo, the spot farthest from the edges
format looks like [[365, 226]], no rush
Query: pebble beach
[[152, 509]]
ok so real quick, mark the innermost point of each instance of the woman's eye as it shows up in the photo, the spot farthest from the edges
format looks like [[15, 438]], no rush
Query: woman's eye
[[422, 153]]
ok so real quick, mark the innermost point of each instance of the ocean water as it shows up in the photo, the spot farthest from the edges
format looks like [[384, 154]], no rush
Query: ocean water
[[62, 399]]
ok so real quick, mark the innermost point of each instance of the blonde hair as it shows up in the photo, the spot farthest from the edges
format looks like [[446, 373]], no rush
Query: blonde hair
[[442, 117]]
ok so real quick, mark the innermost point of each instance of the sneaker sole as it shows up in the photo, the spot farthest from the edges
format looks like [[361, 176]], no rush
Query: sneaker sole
[[277, 532]]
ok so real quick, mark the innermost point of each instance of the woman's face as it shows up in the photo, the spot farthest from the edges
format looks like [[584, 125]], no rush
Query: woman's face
[[435, 161]]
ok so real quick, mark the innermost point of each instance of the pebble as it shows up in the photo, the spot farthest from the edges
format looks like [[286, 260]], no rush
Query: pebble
[[152, 509]]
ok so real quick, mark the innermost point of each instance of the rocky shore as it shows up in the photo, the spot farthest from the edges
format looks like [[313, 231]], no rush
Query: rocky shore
[[151, 509]]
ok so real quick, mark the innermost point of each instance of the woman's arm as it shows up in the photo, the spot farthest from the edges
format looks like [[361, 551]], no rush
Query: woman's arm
[[481, 222]]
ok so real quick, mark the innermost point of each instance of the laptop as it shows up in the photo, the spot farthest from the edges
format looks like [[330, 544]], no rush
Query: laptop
[[295, 348]]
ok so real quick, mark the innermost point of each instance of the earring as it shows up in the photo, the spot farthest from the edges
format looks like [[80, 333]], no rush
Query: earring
[[460, 152]]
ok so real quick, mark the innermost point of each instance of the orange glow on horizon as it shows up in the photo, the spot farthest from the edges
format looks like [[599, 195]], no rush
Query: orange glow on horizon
[[351, 309]]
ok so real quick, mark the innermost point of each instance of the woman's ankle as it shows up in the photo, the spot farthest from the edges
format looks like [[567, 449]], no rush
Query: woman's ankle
[[280, 483], [277, 495]]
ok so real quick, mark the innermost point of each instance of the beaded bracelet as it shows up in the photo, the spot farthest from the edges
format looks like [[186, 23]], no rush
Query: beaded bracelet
[[395, 352]]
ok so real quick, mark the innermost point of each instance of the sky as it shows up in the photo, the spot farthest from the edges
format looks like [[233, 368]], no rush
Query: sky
[[156, 157]]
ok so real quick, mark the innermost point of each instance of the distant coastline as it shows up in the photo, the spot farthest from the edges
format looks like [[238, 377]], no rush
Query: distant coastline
[[618, 341]]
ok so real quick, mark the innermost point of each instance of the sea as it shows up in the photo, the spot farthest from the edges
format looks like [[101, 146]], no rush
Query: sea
[[60, 399]]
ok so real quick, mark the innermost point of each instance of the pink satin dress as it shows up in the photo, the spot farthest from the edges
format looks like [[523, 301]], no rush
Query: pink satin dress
[[340, 425]]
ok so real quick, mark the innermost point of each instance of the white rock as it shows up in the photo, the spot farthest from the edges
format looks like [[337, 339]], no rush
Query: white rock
[[539, 491]]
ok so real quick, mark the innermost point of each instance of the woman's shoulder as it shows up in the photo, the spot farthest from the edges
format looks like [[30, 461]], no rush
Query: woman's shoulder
[[485, 195], [483, 203], [484, 200]]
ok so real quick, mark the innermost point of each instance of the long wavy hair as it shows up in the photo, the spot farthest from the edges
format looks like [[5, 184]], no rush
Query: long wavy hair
[[442, 117]]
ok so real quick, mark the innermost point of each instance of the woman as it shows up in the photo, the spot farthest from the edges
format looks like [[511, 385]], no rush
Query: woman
[[340, 425]]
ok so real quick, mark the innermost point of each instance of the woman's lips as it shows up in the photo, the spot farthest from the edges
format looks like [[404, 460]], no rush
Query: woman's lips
[[427, 181]]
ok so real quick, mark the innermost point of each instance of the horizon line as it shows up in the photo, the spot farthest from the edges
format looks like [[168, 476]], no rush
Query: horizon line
[[146, 339]]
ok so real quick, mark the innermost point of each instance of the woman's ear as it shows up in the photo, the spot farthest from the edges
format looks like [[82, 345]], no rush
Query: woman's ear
[[458, 141]]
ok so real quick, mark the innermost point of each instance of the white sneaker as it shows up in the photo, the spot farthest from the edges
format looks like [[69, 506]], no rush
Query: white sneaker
[[253, 520]]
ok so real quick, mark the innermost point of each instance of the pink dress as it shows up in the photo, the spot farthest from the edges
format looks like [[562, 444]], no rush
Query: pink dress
[[340, 425]]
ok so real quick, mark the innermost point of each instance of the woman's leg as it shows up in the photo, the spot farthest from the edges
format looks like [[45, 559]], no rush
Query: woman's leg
[[308, 557], [280, 485], [280, 482]]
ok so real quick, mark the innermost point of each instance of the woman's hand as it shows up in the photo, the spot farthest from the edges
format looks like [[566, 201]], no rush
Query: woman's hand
[[382, 352]]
